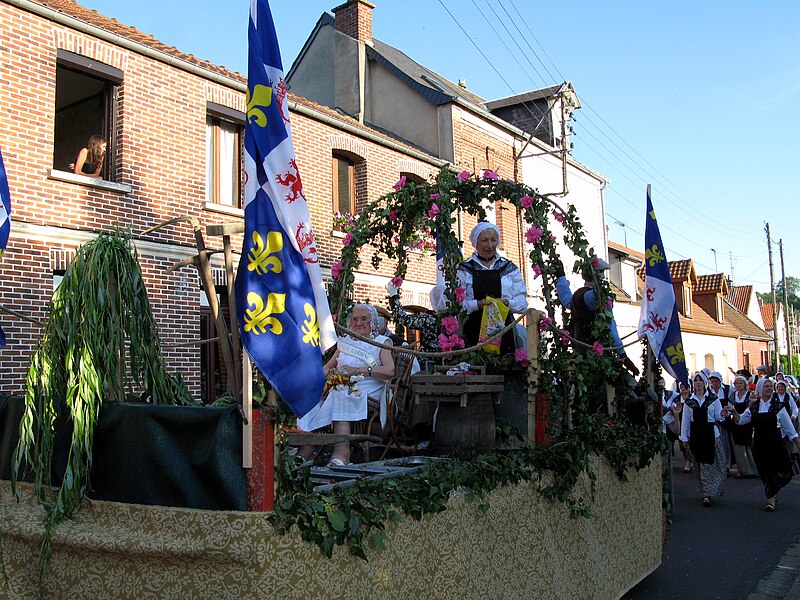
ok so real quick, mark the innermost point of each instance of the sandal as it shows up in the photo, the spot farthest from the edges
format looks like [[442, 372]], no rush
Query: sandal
[[336, 462], [770, 507], [707, 501]]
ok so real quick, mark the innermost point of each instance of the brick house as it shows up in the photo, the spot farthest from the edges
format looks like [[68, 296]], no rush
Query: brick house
[[174, 126]]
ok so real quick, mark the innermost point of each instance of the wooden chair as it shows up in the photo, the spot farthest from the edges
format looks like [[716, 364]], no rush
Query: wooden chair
[[398, 401]]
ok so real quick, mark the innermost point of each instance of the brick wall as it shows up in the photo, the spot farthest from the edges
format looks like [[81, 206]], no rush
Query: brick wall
[[160, 145]]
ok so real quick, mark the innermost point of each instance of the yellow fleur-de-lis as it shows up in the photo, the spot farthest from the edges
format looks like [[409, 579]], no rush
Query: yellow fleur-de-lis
[[652, 214], [675, 353], [654, 255], [260, 257], [260, 317], [261, 97], [310, 327]]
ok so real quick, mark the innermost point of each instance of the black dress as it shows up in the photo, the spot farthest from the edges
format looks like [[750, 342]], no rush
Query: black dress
[[488, 283], [702, 437], [769, 451]]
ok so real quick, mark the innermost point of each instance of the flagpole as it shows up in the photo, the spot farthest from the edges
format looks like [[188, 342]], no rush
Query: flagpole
[[247, 407]]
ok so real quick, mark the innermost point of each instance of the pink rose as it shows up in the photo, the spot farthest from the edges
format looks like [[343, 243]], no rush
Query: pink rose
[[400, 183], [347, 240], [533, 234], [434, 210], [463, 176], [461, 294], [336, 268], [537, 271], [558, 215], [526, 201], [553, 238], [456, 342], [609, 303], [392, 215], [397, 281], [444, 342], [564, 337], [487, 174], [595, 262], [598, 348], [450, 325], [521, 355], [544, 322], [435, 196]]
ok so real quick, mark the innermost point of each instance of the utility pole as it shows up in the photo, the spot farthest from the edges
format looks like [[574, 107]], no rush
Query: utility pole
[[732, 277], [786, 312], [776, 355]]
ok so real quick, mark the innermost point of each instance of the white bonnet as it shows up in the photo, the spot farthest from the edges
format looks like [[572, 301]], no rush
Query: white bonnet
[[480, 228]]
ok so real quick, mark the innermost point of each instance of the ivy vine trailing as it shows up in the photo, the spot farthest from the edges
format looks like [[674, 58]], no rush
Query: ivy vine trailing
[[100, 339], [356, 516]]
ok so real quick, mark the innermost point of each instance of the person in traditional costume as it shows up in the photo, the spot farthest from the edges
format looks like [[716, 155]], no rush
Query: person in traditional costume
[[485, 275], [347, 402], [700, 431], [722, 391], [742, 435], [685, 392], [771, 422], [425, 323]]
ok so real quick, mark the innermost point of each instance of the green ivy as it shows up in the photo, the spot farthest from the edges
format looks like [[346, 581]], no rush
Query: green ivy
[[356, 516]]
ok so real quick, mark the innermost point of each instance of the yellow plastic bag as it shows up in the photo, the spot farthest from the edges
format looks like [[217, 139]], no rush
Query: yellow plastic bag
[[493, 320]]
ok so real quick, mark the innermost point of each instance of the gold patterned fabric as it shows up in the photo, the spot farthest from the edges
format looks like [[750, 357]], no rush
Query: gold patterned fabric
[[522, 547]]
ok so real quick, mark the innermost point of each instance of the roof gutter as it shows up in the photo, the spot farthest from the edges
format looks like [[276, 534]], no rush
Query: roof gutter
[[98, 32], [113, 38]]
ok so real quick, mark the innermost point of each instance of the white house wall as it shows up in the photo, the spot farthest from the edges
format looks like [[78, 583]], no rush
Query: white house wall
[[722, 350]]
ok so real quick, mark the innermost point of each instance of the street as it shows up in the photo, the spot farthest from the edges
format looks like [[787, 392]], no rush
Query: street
[[725, 550]]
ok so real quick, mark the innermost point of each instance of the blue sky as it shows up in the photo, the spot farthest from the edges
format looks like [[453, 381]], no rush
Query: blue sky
[[700, 99]]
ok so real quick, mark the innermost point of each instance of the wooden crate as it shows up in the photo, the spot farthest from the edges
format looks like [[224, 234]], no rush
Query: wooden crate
[[458, 389]]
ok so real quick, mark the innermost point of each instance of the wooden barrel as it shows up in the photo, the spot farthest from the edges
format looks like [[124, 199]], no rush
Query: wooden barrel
[[470, 426]]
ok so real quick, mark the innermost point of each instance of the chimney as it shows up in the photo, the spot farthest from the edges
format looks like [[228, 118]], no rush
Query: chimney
[[354, 18]]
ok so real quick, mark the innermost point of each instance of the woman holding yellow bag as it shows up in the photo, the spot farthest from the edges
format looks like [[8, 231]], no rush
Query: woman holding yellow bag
[[486, 276]]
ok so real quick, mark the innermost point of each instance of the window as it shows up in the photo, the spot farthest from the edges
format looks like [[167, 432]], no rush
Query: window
[[224, 152], [86, 97], [344, 185], [709, 360], [720, 314], [687, 301]]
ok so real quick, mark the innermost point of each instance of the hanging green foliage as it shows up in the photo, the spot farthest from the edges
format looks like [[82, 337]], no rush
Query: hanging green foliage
[[100, 341]]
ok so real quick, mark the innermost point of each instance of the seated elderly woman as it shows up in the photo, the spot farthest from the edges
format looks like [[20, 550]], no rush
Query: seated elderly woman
[[353, 357]]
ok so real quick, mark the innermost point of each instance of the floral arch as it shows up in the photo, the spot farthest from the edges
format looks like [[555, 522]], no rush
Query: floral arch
[[388, 223]]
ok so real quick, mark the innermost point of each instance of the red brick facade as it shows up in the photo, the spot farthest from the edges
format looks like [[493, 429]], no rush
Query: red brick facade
[[160, 141]]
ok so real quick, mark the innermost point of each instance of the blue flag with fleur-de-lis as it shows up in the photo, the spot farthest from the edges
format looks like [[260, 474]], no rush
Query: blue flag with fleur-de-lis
[[659, 315], [284, 316], [5, 221]]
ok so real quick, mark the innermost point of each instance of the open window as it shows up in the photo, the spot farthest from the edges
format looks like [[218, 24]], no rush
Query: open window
[[86, 99], [344, 185], [224, 153]]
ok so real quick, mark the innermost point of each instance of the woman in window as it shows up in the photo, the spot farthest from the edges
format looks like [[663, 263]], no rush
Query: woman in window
[[90, 159]]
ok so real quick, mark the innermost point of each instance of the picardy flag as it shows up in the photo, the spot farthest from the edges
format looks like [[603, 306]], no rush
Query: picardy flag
[[284, 316], [659, 315]]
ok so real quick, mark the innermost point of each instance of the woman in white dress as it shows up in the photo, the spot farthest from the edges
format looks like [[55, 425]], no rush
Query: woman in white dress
[[352, 357]]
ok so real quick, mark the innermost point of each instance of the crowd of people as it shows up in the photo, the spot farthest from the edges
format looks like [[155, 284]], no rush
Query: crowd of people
[[751, 425]]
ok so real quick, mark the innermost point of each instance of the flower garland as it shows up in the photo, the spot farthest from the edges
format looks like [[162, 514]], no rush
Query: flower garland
[[414, 207]]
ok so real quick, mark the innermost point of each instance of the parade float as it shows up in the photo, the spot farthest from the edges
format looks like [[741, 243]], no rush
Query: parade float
[[139, 499]]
